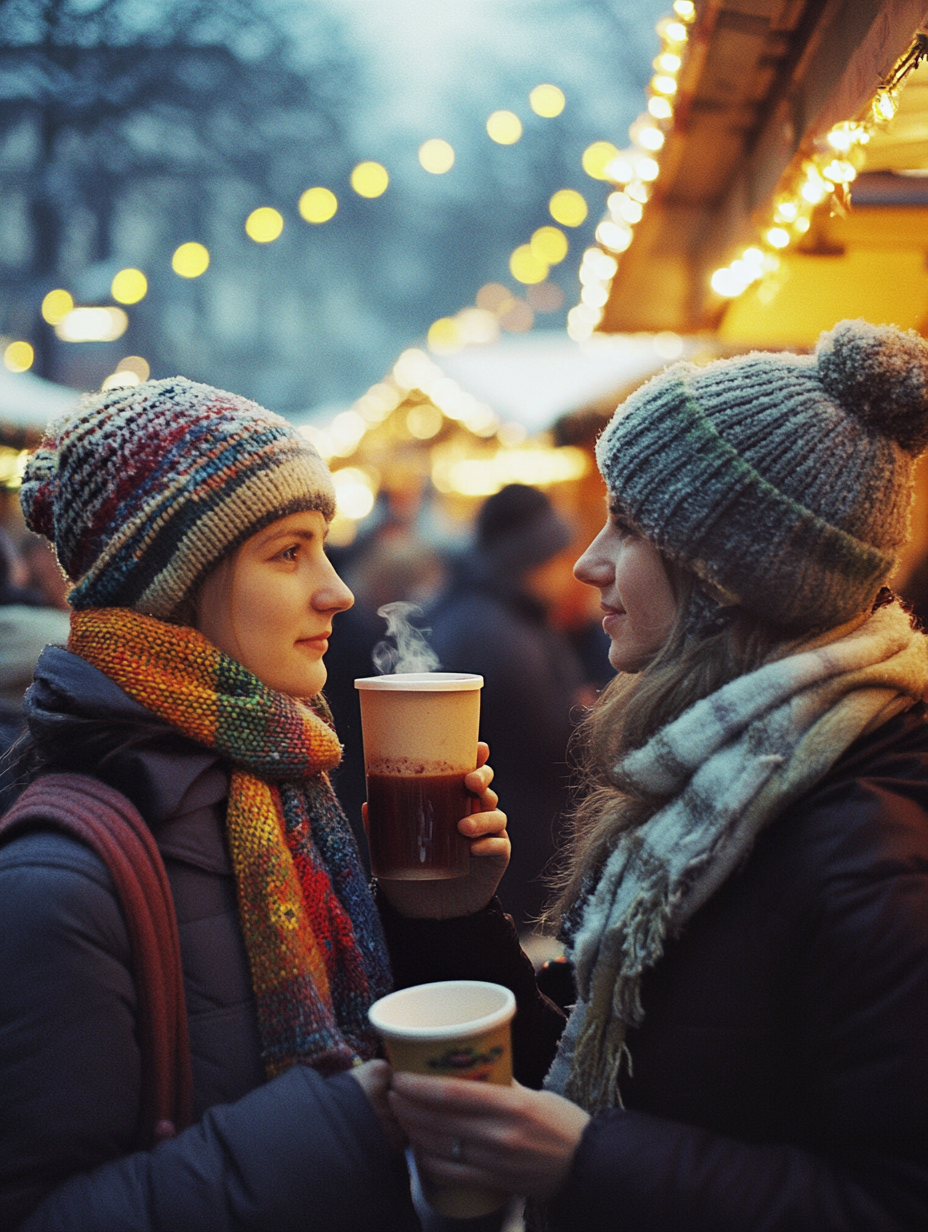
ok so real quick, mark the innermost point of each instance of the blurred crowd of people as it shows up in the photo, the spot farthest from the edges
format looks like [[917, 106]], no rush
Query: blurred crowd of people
[[487, 607], [490, 606], [33, 613]]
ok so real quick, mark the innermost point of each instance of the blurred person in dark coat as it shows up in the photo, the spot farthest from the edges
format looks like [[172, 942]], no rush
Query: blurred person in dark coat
[[492, 618]]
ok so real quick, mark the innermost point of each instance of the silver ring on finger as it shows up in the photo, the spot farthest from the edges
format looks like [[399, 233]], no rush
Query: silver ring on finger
[[457, 1151]]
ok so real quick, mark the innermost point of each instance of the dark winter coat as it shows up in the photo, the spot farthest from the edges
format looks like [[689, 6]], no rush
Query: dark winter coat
[[485, 624], [299, 1152], [779, 1081]]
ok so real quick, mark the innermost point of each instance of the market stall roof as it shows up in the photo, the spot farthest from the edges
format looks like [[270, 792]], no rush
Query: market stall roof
[[762, 78], [27, 402], [535, 378]]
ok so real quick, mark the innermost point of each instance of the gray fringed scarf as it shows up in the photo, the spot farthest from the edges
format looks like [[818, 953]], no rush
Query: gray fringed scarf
[[731, 764]]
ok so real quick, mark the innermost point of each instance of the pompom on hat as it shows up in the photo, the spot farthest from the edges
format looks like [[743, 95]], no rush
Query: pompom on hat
[[783, 481], [143, 490]]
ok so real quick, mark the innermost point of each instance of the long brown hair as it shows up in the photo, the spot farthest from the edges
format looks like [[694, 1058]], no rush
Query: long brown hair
[[631, 709]]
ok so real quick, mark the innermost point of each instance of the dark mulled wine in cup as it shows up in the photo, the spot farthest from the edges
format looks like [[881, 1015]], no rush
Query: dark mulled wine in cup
[[420, 740]]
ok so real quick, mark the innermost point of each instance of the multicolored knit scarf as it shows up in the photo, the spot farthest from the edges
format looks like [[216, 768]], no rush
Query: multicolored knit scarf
[[313, 937]]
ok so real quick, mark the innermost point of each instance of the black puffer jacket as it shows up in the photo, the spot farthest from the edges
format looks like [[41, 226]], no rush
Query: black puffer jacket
[[300, 1152], [780, 1077]]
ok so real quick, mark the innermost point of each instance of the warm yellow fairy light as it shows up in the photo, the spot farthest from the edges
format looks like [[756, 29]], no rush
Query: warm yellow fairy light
[[18, 356], [264, 224], [638, 190], [568, 208], [370, 180], [190, 260], [526, 266], [647, 169], [839, 171], [436, 156], [786, 211], [318, 205], [597, 157], [650, 138], [56, 305], [504, 127], [622, 207], [660, 107], [801, 224], [685, 9], [778, 237], [885, 105], [547, 100], [613, 235], [663, 83], [620, 170], [549, 245], [129, 286], [672, 31], [668, 62]]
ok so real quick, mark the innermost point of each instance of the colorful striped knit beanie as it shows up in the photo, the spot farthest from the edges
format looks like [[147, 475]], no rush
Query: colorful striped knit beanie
[[144, 489], [784, 481]]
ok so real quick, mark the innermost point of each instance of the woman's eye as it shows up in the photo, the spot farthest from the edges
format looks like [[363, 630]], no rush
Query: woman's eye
[[290, 552]]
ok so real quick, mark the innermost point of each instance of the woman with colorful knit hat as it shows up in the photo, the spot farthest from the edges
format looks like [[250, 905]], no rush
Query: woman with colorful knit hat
[[745, 898], [192, 524]]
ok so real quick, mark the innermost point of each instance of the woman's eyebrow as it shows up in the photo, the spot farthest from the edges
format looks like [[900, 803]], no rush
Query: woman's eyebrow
[[306, 535]]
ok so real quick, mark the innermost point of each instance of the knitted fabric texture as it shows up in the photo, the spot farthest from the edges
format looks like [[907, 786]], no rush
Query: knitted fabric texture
[[782, 480], [727, 767], [143, 490], [315, 945]]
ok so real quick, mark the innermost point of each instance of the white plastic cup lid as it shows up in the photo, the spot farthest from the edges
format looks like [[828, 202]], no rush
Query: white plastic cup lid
[[422, 682]]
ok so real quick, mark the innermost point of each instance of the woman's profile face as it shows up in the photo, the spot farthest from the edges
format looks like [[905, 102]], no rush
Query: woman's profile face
[[637, 599], [270, 605]]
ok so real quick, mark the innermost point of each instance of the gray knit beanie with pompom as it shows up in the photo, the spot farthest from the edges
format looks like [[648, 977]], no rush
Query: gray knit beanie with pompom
[[784, 481]]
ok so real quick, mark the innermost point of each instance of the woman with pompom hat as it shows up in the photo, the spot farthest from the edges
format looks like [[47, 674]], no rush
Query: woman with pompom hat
[[745, 894], [192, 524]]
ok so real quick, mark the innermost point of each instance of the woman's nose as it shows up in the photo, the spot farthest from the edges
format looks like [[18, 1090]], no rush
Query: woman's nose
[[334, 595], [593, 567]]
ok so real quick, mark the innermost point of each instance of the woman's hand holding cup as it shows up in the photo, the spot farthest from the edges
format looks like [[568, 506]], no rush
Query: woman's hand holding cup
[[485, 828]]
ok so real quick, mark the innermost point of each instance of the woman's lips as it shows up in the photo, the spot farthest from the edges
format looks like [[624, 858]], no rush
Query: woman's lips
[[319, 642], [611, 618]]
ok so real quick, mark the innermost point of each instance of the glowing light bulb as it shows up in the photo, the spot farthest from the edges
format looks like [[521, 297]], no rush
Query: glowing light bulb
[[370, 180], [597, 157], [318, 205], [526, 266], [436, 156], [660, 107], [129, 286], [778, 237], [504, 127], [547, 101], [190, 260], [264, 224], [18, 356], [549, 245], [56, 305], [568, 208]]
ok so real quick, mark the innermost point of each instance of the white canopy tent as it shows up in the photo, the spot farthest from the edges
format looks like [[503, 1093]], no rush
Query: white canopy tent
[[534, 378], [27, 401]]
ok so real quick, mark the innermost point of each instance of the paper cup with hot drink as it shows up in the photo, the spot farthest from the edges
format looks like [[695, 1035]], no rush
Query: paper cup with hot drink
[[453, 1029], [420, 740]]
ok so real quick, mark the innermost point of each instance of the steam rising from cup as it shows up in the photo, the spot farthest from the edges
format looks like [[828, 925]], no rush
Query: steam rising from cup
[[411, 652]]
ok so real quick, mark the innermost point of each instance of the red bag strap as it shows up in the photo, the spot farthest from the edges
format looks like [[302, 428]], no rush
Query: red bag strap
[[107, 822]]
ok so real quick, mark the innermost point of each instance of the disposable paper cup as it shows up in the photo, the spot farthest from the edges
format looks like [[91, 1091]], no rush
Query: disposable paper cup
[[420, 739], [452, 1029]]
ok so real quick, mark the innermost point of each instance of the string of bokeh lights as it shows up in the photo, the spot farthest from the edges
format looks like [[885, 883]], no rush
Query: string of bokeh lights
[[529, 264]]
